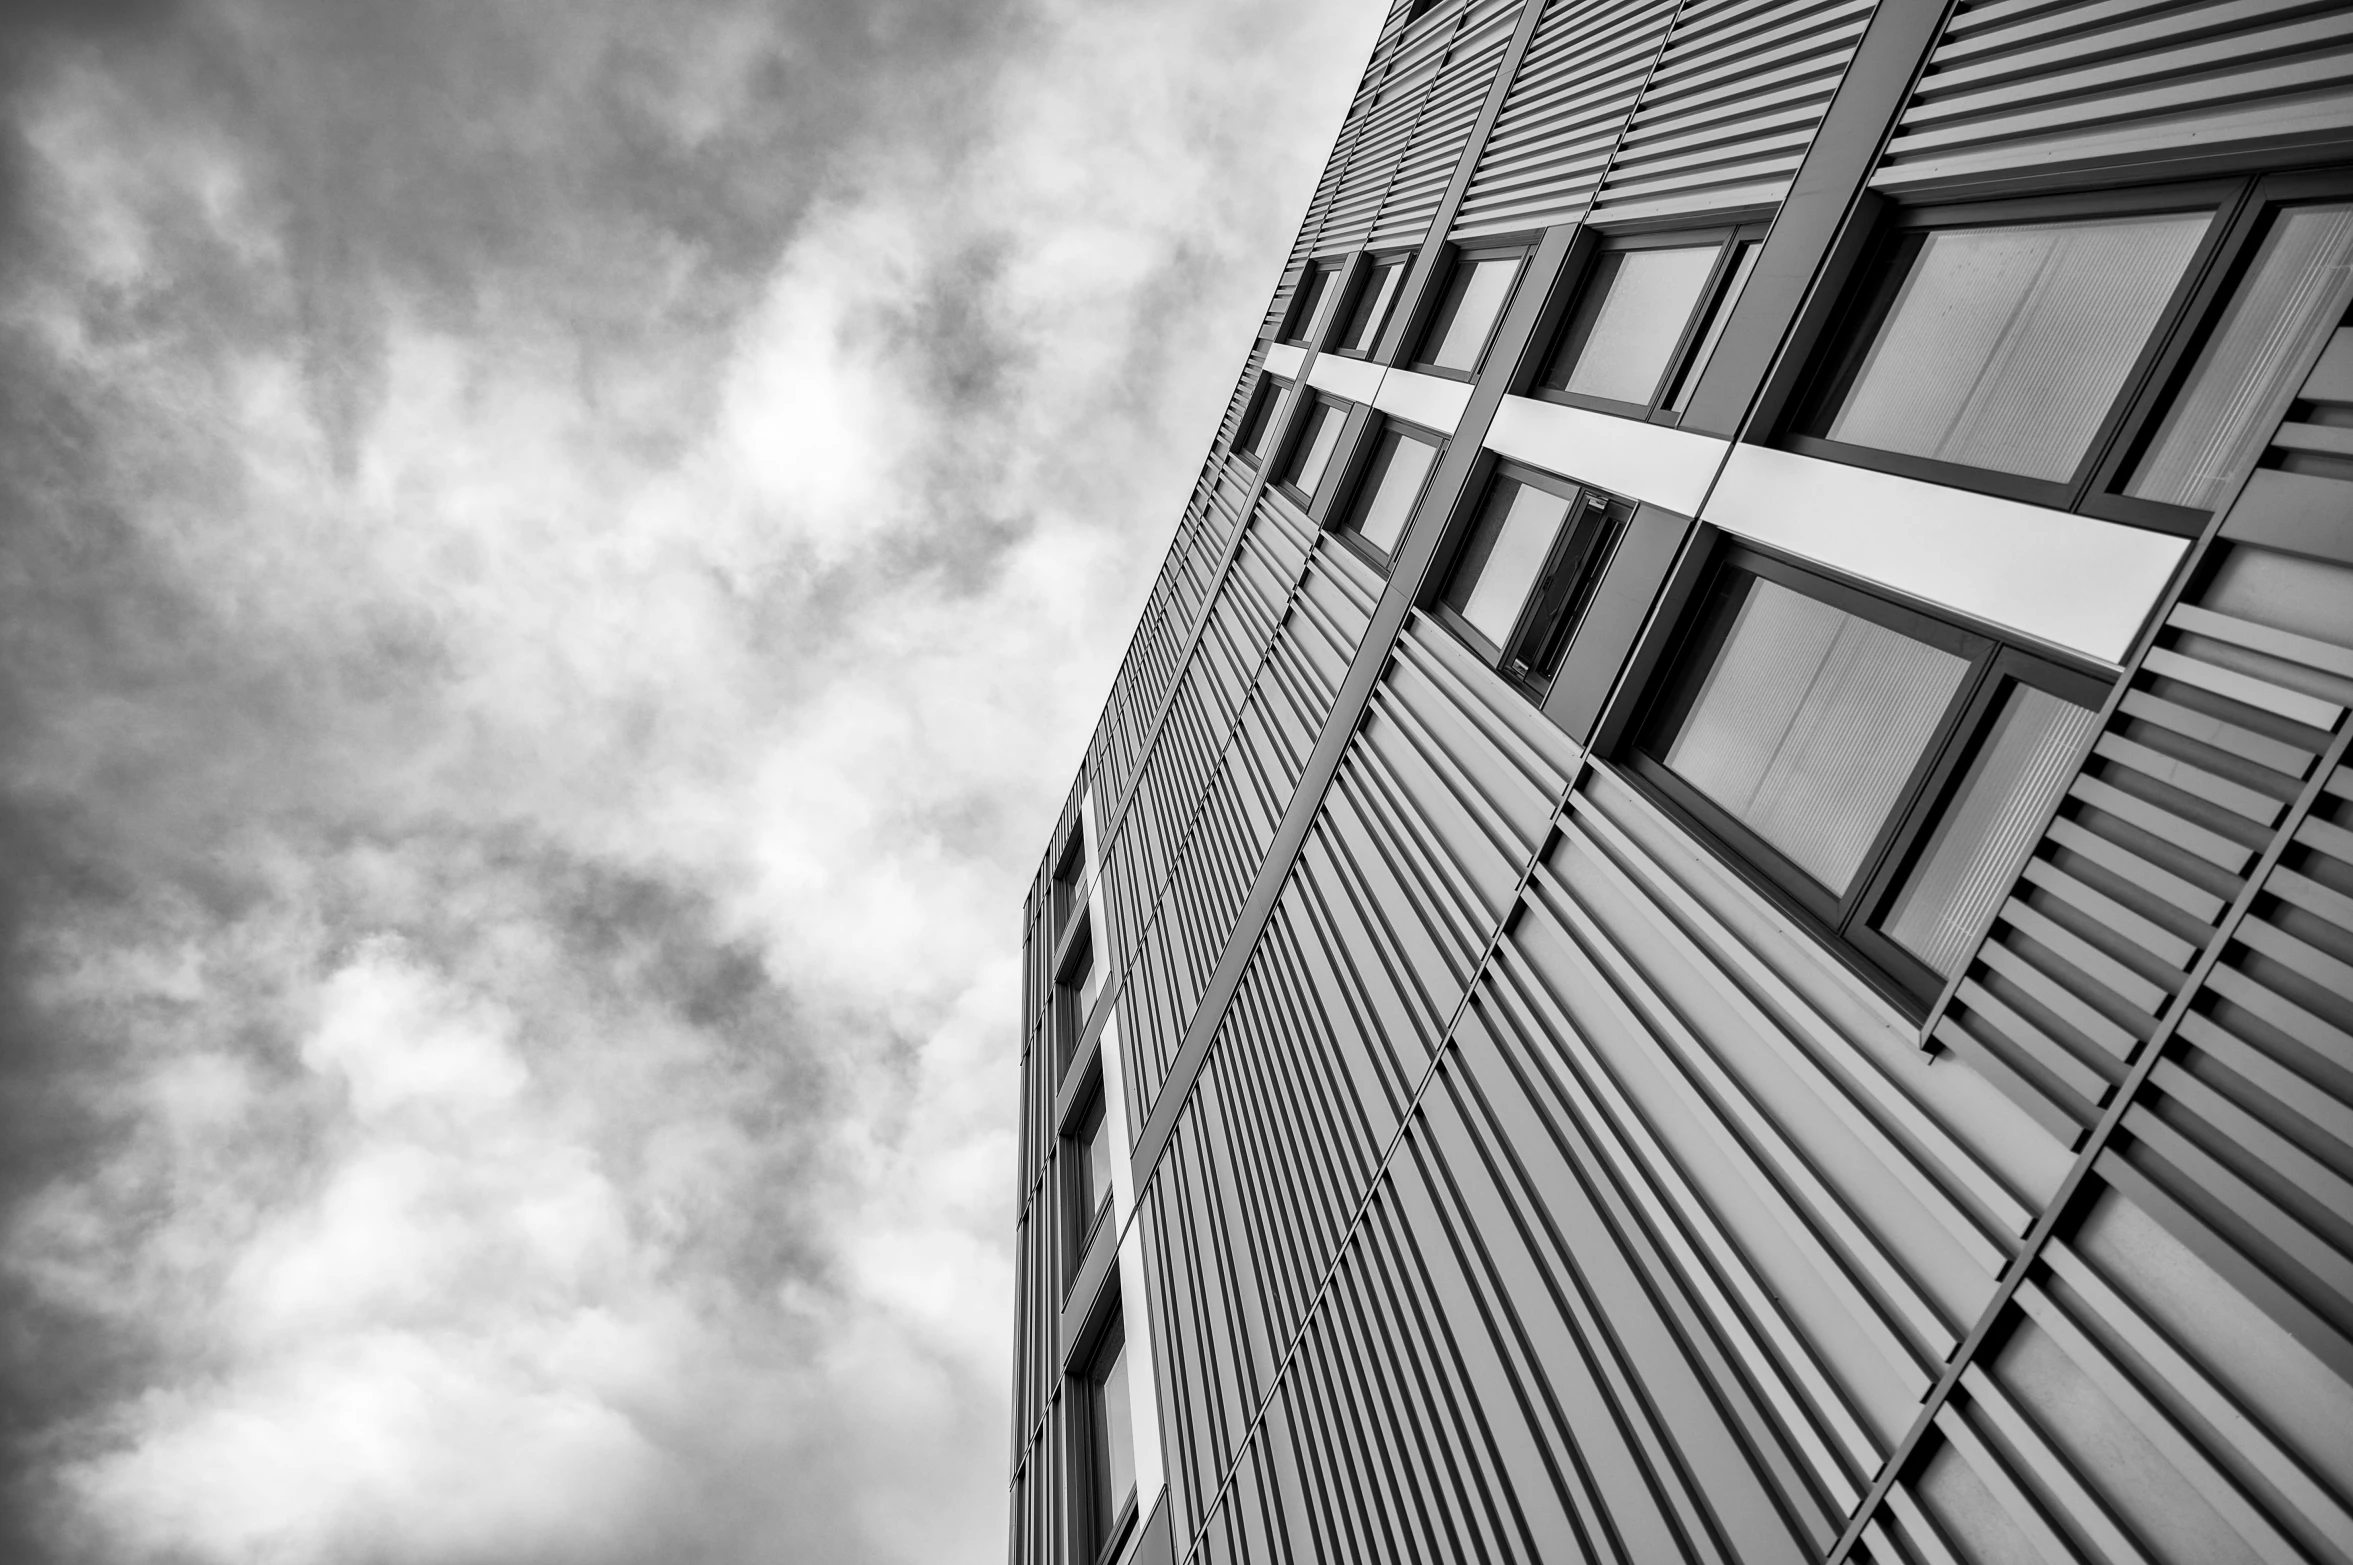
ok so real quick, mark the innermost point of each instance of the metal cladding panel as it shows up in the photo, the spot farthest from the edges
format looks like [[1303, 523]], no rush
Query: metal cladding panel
[[1562, 115], [1336, 166], [2016, 86], [2183, 789], [1447, 116], [1260, 705], [1232, 419], [1408, 79], [1668, 1235], [1728, 114], [1410, 868]]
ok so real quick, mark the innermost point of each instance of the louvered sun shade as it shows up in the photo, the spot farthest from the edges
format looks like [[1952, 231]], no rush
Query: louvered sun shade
[[1728, 114], [2015, 84]]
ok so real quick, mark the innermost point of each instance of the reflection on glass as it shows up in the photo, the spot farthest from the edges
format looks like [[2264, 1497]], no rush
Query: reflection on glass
[[1742, 264], [1502, 556], [2021, 766], [1307, 310], [1392, 483], [1098, 1163], [1371, 309], [2006, 347], [1474, 298], [2250, 368], [1634, 313], [1114, 1453], [1252, 434], [1810, 723], [1311, 453]]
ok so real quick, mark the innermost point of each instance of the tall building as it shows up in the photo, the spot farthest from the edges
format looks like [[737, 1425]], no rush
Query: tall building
[[1712, 916]]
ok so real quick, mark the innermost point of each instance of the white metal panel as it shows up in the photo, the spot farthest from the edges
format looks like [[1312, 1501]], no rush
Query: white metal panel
[[1432, 401], [2070, 580], [1351, 378], [1669, 467]]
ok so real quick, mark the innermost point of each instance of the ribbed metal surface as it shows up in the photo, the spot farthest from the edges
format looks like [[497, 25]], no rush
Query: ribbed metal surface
[[2173, 1380], [2025, 85], [1411, 864], [2181, 793], [1562, 115], [1264, 676], [1456, 94], [1728, 114], [1682, 1230]]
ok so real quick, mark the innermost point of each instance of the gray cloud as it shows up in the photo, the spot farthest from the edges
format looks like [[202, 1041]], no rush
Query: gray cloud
[[557, 560]]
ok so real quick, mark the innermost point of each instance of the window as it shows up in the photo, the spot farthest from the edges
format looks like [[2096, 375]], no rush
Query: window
[[1078, 979], [1087, 1151], [1393, 477], [1646, 319], [1106, 1457], [2239, 386], [1310, 451], [1881, 771], [1457, 336], [1368, 307], [2124, 355], [1528, 567], [1310, 304], [1250, 437]]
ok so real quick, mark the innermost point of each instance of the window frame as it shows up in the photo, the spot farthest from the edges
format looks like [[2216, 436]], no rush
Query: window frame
[[1082, 1228], [1714, 300], [1846, 923], [1106, 1334], [1348, 516], [1300, 326], [1279, 477], [1074, 956], [1468, 255], [2132, 414], [1361, 278], [1261, 407], [1535, 684]]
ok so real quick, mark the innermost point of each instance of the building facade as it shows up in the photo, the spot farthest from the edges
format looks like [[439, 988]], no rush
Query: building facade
[[1712, 915]]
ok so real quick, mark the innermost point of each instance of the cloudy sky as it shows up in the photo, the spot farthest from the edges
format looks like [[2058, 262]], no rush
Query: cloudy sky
[[556, 558]]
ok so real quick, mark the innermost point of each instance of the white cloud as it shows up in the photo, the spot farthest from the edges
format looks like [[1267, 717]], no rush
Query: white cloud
[[535, 928]]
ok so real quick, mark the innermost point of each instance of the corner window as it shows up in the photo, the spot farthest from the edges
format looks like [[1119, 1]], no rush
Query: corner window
[[1310, 304], [2126, 355], [1258, 418], [1456, 338], [1527, 568], [1369, 305], [1391, 484], [1105, 1480], [1310, 450], [1647, 316], [1086, 1148], [1882, 772]]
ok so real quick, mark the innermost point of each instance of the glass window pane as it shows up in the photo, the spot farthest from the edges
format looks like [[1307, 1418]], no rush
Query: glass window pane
[[1372, 307], [1312, 452], [1742, 264], [1252, 434], [1098, 1164], [2007, 346], [2024, 762], [1649, 297], [1391, 486], [1473, 300], [1307, 308], [2248, 373], [1504, 553], [1810, 723], [1114, 1477]]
